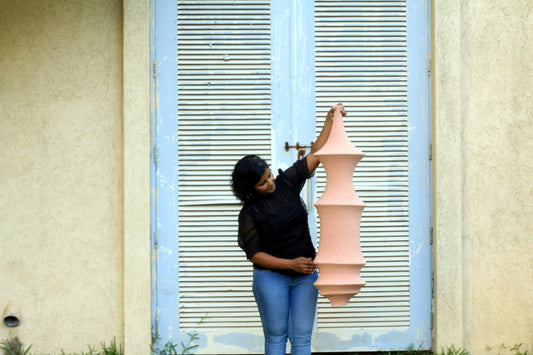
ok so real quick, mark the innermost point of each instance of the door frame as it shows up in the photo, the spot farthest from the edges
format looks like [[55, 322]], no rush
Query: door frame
[[420, 170], [164, 178], [164, 173]]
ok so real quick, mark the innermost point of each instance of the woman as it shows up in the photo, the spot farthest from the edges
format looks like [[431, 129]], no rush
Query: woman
[[274, 233]]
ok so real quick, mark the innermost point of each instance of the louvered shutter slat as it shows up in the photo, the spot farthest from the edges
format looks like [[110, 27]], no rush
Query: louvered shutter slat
[[223, 71], [360, 52], [223, 114]]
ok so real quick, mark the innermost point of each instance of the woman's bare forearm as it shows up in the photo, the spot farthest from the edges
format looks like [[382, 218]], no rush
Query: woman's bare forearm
[[301, 264], [312, 161]]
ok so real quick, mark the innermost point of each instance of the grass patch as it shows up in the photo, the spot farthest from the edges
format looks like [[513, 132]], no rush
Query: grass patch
[[173, 349], [504, 349], [14, 347]]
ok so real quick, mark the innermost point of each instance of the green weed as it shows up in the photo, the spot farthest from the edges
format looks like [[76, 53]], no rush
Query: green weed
[[13, 347], [172, 349], [451, 350], [411, 350], [503, 349]]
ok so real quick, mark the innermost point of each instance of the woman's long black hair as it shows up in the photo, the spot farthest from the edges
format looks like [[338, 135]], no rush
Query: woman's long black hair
[[246, 174]]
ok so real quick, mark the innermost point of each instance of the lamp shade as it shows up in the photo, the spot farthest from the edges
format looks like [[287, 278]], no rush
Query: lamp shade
[[339, 257]]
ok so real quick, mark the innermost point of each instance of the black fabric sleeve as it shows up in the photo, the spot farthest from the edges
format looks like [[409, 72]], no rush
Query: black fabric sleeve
[[296, 174], [248, 236]]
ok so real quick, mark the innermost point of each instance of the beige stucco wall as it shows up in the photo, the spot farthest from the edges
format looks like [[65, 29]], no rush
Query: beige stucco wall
[[74, 256], [74, 172], [136, 162], [483, 148]]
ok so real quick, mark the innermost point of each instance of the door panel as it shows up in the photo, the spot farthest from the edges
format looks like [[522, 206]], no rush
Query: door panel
[[361, 60], [252, 75], [224, 113]]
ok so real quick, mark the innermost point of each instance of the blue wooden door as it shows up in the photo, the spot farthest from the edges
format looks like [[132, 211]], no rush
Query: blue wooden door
[[250, 77]]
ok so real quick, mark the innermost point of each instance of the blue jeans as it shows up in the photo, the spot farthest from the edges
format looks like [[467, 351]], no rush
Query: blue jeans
[[287, 306]]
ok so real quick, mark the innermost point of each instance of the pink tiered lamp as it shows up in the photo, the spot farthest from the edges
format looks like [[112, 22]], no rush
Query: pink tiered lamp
[[339, 257]]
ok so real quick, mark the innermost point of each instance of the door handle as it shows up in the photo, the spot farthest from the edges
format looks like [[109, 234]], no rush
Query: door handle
[[300, 148]]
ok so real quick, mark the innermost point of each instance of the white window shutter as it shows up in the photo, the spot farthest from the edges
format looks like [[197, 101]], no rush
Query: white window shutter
[[360, 51], [223, 114]]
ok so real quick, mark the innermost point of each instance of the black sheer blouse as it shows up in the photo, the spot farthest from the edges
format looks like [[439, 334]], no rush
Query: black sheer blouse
[[277, 223]]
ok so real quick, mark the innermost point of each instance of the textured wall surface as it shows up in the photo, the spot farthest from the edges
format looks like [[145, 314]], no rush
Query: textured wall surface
[[137, 110], [61, 181], [73, 125], [483, 141]]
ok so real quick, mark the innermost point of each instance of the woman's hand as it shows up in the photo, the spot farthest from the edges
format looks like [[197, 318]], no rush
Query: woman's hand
[[312, 161], [303, 265], [332, 110]]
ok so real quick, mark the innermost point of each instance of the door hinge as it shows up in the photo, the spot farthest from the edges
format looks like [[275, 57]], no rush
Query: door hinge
[[154, 69], [429, 66], [155, 155], [432, 320], [430, 151], [431, 235]]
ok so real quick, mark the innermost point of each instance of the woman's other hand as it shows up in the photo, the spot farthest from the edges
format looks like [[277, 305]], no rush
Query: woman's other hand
[[303, 265]]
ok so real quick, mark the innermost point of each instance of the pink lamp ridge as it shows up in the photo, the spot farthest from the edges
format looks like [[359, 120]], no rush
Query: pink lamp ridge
[[339, 257]]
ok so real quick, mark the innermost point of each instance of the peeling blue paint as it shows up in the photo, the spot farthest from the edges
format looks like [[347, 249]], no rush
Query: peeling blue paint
[[328, 341], [246, 341], [392, 339], [165, 281]]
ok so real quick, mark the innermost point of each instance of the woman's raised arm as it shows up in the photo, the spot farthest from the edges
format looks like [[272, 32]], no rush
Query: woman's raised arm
[[312, 161]]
